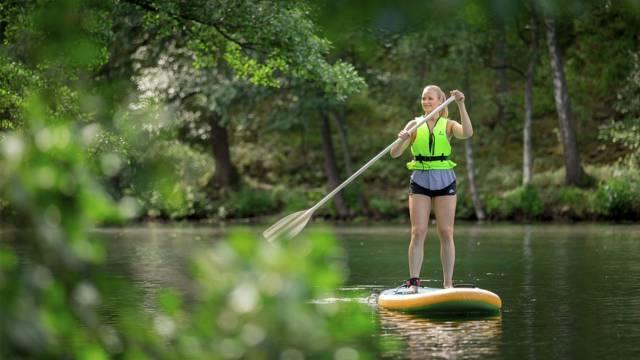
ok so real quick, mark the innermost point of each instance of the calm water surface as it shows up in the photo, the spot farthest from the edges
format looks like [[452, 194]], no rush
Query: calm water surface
[[568, 292]]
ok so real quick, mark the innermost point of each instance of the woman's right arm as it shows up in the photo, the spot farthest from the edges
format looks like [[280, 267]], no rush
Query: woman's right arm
[[407, 139]]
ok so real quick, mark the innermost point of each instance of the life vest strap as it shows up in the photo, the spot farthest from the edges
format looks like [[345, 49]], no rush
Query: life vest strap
[[430, 158]]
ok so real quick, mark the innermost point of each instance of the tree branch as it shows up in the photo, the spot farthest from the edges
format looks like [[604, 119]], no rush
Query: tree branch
[[149, 6], [177, 99]]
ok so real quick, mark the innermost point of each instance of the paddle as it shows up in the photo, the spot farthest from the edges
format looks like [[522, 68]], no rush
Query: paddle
[[292, 224]]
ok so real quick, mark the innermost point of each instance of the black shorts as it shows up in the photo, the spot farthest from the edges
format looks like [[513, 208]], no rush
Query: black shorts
[[419, 190]]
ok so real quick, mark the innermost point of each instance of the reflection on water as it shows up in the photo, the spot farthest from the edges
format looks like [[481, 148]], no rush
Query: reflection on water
[[428, 338], [360, 294], [568, 292], [441, 338], [154, 257]]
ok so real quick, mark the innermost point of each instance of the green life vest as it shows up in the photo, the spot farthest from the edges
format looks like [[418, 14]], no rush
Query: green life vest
[[431, 152]]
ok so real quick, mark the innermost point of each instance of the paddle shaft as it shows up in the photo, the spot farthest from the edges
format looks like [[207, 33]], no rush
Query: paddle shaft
[[422, 120]]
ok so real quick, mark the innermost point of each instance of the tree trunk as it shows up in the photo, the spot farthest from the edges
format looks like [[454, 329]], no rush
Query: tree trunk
[[330, 166], [342, 135], [573, 168], [527, 154], [3, 29], [346, 153], [468, 153], [471, 176], [225, 175]]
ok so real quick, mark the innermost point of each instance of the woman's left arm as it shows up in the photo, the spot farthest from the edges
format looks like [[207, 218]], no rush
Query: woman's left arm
[[464, 130]]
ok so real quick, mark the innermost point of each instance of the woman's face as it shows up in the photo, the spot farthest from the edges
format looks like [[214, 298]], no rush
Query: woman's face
[[430, 100]]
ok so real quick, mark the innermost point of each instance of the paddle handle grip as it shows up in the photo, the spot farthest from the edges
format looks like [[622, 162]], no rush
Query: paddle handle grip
[[422, 120]]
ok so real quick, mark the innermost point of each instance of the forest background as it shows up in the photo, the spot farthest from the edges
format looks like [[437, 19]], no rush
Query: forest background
[[255, 110]]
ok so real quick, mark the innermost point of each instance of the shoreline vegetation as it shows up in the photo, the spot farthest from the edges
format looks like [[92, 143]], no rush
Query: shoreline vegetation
[[612, 197]]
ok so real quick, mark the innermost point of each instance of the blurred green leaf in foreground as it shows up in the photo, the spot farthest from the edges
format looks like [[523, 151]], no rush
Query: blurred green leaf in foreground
[[250, 299]]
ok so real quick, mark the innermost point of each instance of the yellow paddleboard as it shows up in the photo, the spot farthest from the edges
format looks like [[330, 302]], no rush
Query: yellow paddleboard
[[458, 300]]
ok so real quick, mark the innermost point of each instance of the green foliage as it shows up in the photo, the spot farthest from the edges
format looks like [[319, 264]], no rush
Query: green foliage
[[341, 80], [493, 206], [464, 205], [250, 69], [59, 38], [252, 299], [51, 299], [626, 131], [552, 178], [254, 303], [46, 162], [15, 79], [351, 195], [523, 202], [617, 199], [249, 202], [262, 41], [530, 203], [603, 73], [568, 202], [170, 180], [574, 198], [384, 207], [291, 199], [502, 177], [628, 103]]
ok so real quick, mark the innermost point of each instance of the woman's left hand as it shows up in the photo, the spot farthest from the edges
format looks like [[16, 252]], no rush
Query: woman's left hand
[[459, 96]]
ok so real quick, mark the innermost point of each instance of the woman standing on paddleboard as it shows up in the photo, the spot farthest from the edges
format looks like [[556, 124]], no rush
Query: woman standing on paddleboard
[[433, 181]]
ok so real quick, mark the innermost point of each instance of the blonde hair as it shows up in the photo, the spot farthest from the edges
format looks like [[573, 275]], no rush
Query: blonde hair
[[445, 112]]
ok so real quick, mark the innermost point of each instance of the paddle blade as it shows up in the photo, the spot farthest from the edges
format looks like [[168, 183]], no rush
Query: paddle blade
[[288, 227]]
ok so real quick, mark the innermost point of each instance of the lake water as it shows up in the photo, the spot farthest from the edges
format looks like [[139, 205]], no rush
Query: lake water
[[568, 292]]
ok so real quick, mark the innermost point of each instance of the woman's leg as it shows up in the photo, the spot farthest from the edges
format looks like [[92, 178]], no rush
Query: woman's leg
[[445, 211], [419, 211]]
